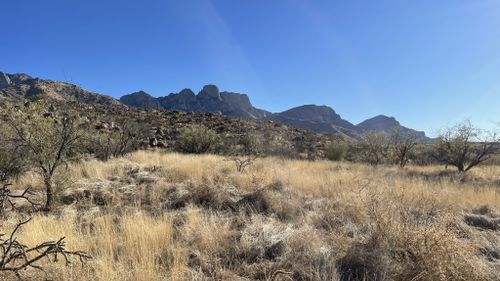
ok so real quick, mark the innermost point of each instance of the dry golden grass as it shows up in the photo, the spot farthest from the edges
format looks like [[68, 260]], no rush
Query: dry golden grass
[[167, 216]]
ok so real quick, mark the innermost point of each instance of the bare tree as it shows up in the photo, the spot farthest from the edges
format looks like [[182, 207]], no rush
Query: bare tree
[[403, 145], [465, 146], [250, 148], [50, 140], [374, 147], [15, 256]]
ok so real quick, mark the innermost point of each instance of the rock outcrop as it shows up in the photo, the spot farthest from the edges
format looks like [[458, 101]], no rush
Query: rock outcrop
[[209, 99], [20, 87], [4, 80]]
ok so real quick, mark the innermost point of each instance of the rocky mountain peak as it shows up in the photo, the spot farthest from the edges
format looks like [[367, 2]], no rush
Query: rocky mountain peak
[[185, 92], [313, 113], [210, 92], [140, 99], [379, 123], [386, 124]]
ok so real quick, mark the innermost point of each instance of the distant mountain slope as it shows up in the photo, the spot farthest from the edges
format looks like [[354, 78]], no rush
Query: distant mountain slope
[[140, 99], [317, 118], [22, 86], [209, 99], [382, 123]]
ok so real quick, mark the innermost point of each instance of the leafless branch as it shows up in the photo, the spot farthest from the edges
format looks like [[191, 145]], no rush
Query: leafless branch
[[8, 199], [15, 256]]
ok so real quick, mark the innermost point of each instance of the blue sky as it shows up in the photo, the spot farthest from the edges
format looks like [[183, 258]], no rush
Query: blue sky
[[428, 63]]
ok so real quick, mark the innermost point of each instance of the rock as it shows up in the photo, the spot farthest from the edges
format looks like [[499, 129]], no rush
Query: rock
[[19, 78], [4, 80], [102, 126], [159, 132], [209, 99], [153, 142]]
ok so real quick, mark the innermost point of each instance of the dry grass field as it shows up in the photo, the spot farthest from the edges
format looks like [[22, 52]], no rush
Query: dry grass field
[[166, 216]]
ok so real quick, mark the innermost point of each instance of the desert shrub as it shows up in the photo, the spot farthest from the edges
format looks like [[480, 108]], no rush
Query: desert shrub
[[12, 159], [248, 149], [424, 155], [279, 146], [197, 139], [251, 144], [120, 139], [337, 150], [494, 160]]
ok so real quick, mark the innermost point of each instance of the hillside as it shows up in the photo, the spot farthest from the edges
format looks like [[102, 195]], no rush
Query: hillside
[[160, 128], [18, 87]]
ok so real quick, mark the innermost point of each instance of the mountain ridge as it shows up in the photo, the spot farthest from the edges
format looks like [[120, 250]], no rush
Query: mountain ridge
[[318, 118]]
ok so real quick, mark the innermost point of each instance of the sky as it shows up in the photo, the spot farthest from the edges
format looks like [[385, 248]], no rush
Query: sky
[[428, 63]]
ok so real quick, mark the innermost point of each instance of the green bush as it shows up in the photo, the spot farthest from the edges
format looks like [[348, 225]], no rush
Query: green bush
[[337, 150], [251, 144], [197, 139], [279, 146]]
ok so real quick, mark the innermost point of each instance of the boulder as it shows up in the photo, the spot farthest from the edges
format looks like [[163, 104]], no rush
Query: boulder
[[153, 142]]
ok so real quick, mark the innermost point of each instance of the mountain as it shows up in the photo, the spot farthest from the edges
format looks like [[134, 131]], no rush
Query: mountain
[[157, 128], [140, 99], [22, 86], [382, 123], [209, 99], [319, 118]]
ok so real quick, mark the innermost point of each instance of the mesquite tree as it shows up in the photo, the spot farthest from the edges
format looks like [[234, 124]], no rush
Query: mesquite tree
[[465, 146], [50, 140], [403, 145], [375, 147]]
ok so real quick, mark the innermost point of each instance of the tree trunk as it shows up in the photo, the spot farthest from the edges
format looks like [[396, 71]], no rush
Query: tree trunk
[[48, 192]]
